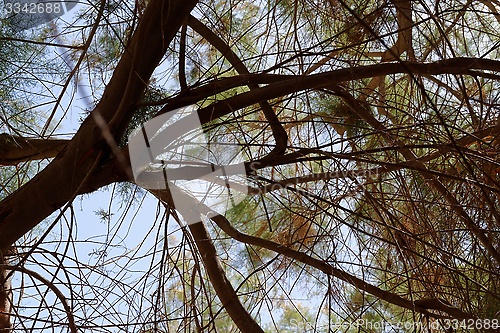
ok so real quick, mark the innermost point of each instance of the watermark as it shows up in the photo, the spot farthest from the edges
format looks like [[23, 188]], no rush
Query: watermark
[[443, 325], [357, 177], [172, 151], [26, 14]]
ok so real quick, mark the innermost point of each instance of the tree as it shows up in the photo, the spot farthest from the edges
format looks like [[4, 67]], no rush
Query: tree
[[369, 134]]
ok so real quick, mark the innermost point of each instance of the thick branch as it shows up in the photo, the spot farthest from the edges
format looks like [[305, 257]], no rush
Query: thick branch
[[16, 149], [66, 174], [326, 268], [465, 66], [5, 294], [282, 85], [64, 177], [221, 284]]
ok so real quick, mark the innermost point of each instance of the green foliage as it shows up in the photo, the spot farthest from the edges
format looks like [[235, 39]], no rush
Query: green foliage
[[411, 228]]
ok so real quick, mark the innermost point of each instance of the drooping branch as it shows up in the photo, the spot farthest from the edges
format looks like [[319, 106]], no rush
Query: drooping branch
[[364, 113], [326, 268], [224, 289], [67, 309], [323, 266]]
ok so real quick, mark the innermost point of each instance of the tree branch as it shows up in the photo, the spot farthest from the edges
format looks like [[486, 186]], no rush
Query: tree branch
[[282, 85], [64, 177], [364, 113], [16, 149], [55, 290], [279, 133], [326, 268], [224, 289]]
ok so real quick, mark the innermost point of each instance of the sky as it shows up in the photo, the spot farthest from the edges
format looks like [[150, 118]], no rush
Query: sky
[[126, 228], [106, 234]]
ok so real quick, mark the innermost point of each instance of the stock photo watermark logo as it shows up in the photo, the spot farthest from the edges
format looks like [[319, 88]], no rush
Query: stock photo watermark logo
[[172, 151], [25, 14], [204, 176]]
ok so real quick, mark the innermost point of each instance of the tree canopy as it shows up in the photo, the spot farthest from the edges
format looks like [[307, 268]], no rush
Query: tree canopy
[[368, 132]]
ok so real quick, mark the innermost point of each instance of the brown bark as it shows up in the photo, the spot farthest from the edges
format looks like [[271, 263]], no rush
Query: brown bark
[[5, 293], [87, 151], [282, 85], [15, 149], [223, 288], [404, 41], [64, 177], [228, 296], [221, 284], [326, 268], [279, 133]]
